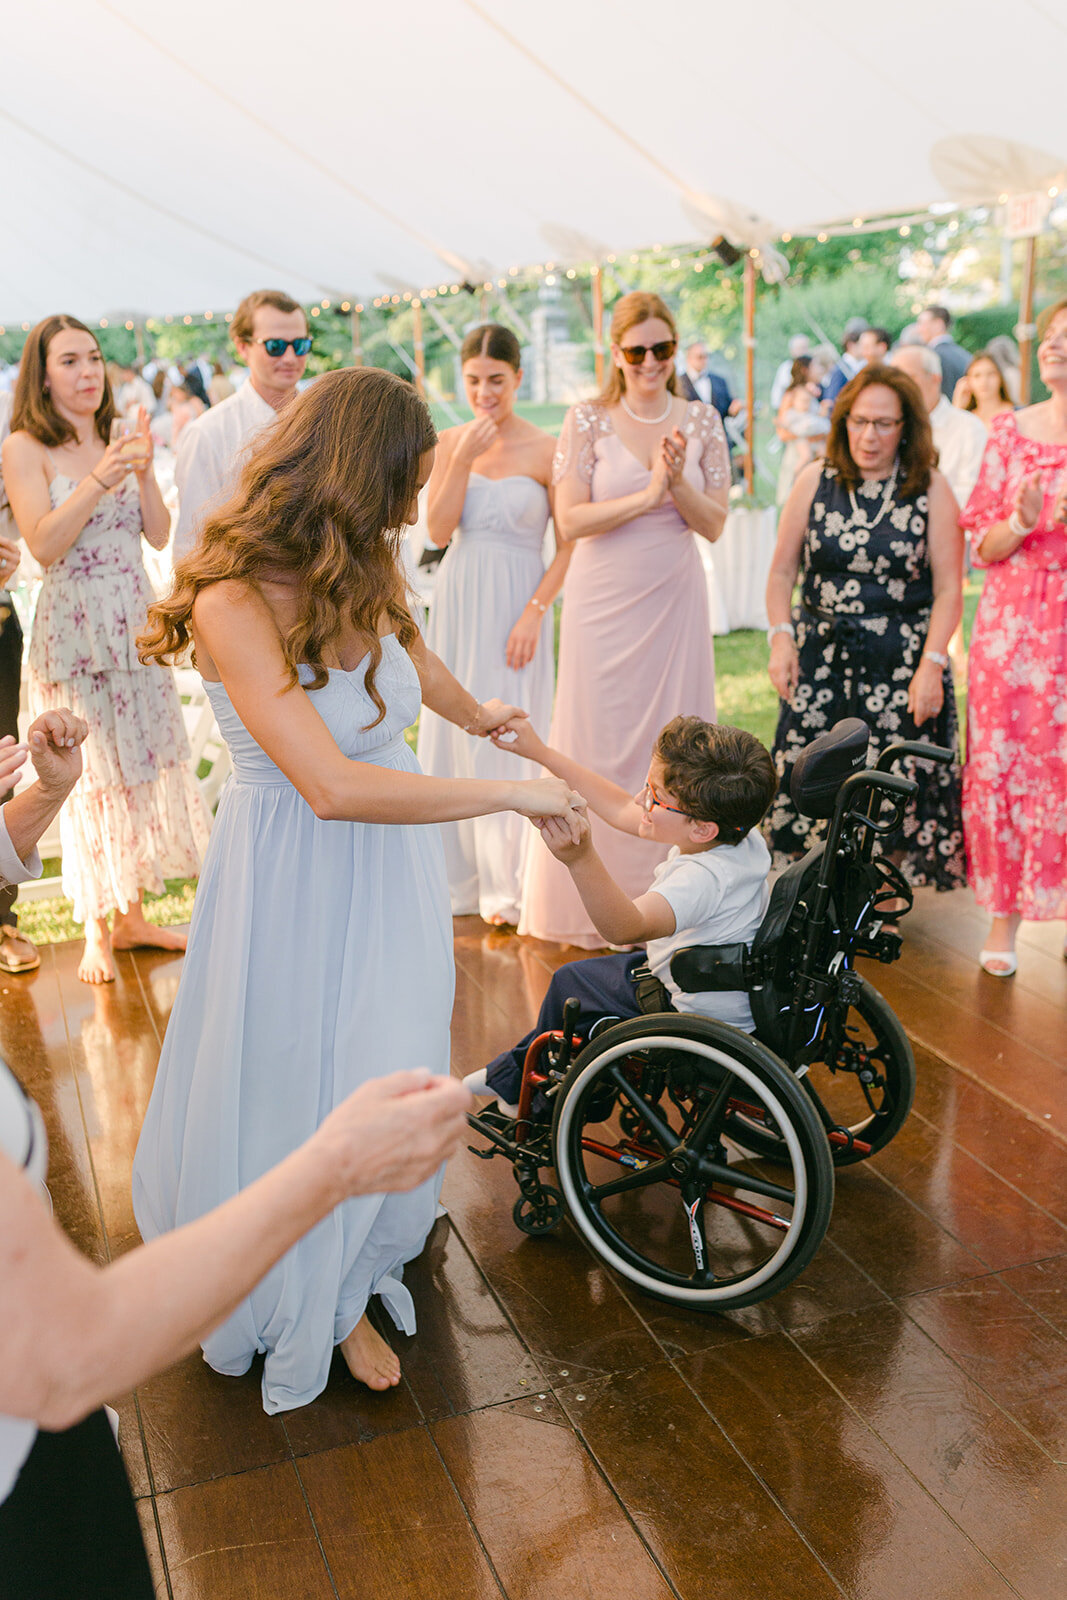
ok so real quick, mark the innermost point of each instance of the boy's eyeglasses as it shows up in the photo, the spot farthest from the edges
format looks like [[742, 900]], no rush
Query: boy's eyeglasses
[[648, 798], [278, 347], [636, 353]]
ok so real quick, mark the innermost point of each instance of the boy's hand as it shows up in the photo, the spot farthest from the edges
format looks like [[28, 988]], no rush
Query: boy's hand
[[559, 833], [519, 738]]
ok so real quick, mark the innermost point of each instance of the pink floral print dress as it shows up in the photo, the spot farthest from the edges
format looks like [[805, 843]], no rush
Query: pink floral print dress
[[1015, 780], [136, 816]]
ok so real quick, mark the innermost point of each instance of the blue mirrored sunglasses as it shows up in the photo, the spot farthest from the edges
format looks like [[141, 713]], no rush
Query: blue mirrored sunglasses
[[278, 347]]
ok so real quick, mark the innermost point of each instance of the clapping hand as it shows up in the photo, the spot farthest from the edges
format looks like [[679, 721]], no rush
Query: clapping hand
[[1029, 500], [55, 741], [1059, 504], [672, 453]]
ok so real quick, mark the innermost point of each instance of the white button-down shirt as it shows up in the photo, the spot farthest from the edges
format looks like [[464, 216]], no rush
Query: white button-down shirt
[[210, 451], [960, 438]]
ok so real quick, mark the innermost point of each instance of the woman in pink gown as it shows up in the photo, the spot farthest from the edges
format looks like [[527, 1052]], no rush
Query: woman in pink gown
[[638, 472], [1015, 780]]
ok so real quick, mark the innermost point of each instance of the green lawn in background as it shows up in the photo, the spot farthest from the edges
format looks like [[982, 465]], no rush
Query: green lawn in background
[[744, 697]]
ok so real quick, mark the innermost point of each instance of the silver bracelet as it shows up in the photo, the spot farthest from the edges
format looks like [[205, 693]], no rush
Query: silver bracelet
[[1017, 527], [936, 657]]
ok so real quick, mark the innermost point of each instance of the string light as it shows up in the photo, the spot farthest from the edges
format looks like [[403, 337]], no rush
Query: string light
[[406, 296], [454, 288], [550, 279], [571, 272], [905, 230], [187, 320], [822, 238], [698, 266], [675, 262], [857, 222], [1003, 199], [326, 305], [129, 327], [314, 311], [207, 316], [229, 316], [345, 306], [1053, 192], [786, 238]]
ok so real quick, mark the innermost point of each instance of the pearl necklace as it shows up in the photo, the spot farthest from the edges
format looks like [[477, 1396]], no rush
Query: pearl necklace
[[652, 420], [883, 508]]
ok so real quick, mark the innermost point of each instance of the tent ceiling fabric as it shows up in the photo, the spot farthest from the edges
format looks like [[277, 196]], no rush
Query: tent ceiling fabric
[[167, 159]]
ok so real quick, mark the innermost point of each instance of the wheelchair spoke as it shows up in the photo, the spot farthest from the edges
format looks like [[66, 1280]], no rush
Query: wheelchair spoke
[[655, 1172], [649, 1114], [733, 1178]]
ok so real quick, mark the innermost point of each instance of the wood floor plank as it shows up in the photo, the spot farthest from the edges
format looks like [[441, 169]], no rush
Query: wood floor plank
[[550, 1524], [713, 1528], [244, 1538], [199, 1425], [877, 1531], [392, 1525], [562, 1301], [465, 1353], [1043, 1285], [900, 1248], [348, 1412], [1007, 1348], [988, 1216], [991, 1479], [153, 1548]]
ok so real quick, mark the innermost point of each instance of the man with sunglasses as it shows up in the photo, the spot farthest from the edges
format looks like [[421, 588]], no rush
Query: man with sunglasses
[[270, 334]]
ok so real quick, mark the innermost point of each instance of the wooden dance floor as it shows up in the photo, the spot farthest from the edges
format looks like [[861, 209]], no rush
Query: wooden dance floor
[[893, 1426]]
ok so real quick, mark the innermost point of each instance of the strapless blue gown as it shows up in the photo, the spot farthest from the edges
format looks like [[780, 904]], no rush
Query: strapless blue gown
[[320, 956]]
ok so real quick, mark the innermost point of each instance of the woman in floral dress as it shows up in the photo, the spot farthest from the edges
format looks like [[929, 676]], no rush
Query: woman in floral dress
[[82, 506], [1015, 783], [874, 536]]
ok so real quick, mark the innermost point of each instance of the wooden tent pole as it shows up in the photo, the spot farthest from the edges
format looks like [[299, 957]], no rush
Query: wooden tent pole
[[1026, 313], [420, 358], [598, 326], [357, 338], [750, 369]]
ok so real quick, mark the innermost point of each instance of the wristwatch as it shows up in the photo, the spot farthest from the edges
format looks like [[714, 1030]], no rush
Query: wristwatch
[[781, 627]]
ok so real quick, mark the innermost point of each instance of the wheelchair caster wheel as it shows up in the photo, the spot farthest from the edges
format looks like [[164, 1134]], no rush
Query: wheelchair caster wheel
[[538, 1215]]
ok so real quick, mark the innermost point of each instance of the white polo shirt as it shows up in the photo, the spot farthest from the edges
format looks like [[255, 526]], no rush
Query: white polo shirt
[[960, 437], [210, 453]]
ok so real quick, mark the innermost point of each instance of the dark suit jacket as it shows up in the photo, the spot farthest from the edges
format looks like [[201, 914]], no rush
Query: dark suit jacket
[[721, 398], [954, 363]]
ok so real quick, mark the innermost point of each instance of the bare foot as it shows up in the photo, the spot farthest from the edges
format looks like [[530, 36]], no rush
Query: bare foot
[[133, 930], [369, 1358], [97, 965]]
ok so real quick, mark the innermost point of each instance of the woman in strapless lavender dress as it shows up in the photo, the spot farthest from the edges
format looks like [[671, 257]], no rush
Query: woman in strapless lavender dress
[[638, 472], [491, 616]]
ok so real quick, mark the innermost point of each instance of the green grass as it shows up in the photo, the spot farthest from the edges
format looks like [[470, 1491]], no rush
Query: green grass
[[744, 698]]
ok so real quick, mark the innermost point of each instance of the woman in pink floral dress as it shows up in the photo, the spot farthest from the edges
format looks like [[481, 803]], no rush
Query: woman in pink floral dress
[[82, 505], [1015, 781]]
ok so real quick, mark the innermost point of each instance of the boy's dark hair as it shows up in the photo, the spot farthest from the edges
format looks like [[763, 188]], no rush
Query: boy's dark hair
[[719, 774]]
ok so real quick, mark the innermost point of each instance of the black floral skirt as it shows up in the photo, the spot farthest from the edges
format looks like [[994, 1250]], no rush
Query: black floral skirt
[[861, 666]]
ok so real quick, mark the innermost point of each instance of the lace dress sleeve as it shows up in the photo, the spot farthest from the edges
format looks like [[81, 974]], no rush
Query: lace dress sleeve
[[575, 451], [706, 423], [992, 496]]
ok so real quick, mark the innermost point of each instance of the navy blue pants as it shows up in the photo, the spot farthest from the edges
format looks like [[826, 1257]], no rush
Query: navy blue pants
[[603, 986]]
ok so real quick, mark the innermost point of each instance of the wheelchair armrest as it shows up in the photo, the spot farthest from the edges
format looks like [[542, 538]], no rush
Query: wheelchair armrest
[[702, 967], [913, 747]]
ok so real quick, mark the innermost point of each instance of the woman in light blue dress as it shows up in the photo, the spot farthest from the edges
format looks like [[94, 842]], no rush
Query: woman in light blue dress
[[491, 614], [297, 612]]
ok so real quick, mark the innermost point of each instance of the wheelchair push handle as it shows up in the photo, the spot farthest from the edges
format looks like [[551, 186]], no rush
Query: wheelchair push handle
[[913, 747]]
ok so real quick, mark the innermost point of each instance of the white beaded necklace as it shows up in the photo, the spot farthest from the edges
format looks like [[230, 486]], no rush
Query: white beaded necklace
[[887, 499], [661, 418]]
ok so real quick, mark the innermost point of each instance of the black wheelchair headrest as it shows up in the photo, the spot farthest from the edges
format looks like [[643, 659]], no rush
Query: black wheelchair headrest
[[822, 766]]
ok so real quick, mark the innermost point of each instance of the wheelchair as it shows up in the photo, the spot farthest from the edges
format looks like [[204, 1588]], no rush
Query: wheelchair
[[697, 1160]]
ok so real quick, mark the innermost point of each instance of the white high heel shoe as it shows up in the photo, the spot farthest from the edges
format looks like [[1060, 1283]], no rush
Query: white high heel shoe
[[1006, 963]]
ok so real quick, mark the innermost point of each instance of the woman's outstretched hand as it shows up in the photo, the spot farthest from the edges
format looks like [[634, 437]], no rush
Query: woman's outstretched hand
[[493, 714], [538, 798]]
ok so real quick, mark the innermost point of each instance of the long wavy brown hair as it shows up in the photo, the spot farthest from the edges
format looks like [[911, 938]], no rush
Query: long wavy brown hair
[[33, 408], [918, 455], [628, 311], [322, 501]]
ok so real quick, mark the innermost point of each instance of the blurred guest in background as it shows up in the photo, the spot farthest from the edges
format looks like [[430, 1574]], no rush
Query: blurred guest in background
[[874, 346], [799, 345], [933, 325], [851, 361], [983, 391], [802, 423], [959, 436]]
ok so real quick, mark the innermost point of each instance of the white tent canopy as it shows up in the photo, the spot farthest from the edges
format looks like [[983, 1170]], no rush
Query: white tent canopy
[[168, 159]]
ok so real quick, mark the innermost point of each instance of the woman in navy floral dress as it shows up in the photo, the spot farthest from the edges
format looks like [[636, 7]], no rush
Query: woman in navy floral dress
[[874, 536]]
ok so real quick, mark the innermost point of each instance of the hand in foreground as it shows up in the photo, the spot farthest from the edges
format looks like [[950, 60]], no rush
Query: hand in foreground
[[546, 797], [1029, 499], [10, 556], [523, 639], [12, 760], [783, 669], [558, 834], [519, 738], [394, 1132], [143, 435], [493, 714], [926, 691], [55, 741]]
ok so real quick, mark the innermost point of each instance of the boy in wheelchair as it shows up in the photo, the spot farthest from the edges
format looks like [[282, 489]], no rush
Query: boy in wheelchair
[[708, 788]]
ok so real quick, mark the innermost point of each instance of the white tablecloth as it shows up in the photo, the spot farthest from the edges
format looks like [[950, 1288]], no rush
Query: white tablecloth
[[736, 566]]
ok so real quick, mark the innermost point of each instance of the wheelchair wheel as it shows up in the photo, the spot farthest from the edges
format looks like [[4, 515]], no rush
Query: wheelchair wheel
[[677, 1206], [863, 1079]]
